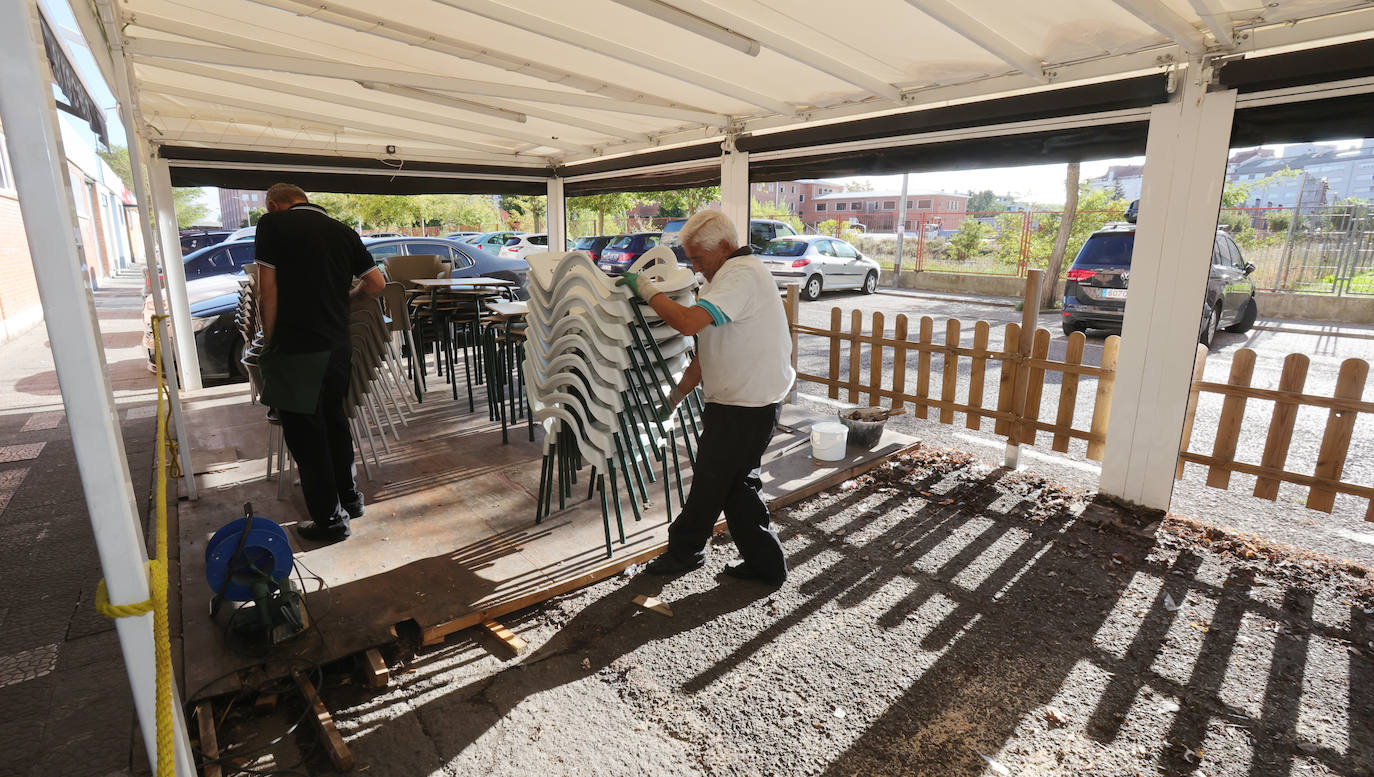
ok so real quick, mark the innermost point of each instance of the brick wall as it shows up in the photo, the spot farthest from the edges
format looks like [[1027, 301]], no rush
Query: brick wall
[[20, 308]]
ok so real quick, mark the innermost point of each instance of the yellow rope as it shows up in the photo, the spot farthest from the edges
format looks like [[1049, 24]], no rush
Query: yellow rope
[[157, 578]]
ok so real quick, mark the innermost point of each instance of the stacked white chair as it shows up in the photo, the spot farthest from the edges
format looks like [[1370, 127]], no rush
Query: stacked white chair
[[598, 366]]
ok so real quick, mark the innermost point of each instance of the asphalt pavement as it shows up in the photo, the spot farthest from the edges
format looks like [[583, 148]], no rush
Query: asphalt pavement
[[1343, 533]]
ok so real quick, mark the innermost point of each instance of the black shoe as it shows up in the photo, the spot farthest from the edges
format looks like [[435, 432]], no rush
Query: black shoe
[[668, 564], [315, 532], [741, 570], [354, 506]]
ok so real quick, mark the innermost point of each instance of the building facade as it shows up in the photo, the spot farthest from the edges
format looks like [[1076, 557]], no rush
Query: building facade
[[878, 211], [236, 204]]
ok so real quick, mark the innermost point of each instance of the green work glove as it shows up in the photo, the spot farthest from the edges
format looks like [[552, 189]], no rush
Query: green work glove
[[674, 399], [638, 285]]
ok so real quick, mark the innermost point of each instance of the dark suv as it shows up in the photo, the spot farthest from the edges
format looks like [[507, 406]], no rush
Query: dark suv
[[1095, 293]]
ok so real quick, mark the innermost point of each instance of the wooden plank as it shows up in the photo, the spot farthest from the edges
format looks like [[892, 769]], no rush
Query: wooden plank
[[949, 381], [834, 335], [375, 671], [875, 361], [981, 331], [650, 603], [1199, 366], [1232, 417], [1102, 403], [899, 363], [1006, 381], [1326, 403], [508, 638], [1342, 487], [1030, 308], [1281, 423], [209, 742], [1068, 392], [923, 368], [1336, 441], [330, 738], [855, 378], [792, 305], [1035, 387]]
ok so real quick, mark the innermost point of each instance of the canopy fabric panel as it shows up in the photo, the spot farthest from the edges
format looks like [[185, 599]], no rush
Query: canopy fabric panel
[[554, 83]]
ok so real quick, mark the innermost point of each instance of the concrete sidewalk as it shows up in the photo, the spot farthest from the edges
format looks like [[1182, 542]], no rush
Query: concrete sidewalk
[[66, 700]]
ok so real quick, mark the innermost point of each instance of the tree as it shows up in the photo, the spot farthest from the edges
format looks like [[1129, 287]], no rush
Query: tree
[[968, 241], [859, 185], [774, 210], [1061, 242], [189, 210], [684, 202], [603, 204], [839, 229], [117, 157], [254, 216], [982, 202], [526, 208]]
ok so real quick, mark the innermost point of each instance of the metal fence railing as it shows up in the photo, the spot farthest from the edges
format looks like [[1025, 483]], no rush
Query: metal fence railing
[[1310, 249]]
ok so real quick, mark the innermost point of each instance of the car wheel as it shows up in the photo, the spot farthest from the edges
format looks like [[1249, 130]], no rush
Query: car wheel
[[871, 283], [1211, 321], [1247, 318], [1072, 326], [237, 370], [812, 290]]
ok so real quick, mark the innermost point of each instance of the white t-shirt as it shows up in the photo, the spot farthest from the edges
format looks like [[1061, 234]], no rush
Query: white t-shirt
[[746, 352]]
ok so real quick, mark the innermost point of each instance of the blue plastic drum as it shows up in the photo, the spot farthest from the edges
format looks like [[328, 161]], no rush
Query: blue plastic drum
[[266, 552]]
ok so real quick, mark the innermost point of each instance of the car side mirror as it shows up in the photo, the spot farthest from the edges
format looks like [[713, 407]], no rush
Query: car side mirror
[[1249, 268]]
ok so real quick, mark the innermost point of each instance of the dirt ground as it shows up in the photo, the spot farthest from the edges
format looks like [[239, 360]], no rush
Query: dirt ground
[[942, 618]]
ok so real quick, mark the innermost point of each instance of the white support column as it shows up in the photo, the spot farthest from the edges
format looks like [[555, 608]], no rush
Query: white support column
[[159, 174], [734, 187], [1185, 169], [26, 106], [556, 214]]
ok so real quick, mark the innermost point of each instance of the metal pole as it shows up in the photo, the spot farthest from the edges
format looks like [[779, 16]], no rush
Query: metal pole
[[901, 232], [159, 175], [556, 215], [26, 105]]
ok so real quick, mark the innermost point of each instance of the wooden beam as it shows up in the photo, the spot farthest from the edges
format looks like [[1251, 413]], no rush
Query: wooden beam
[[508, 638], [209, 742], [375, 671], [330, 737]]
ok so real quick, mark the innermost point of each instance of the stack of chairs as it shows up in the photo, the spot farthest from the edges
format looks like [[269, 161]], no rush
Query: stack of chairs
[[598, 366]]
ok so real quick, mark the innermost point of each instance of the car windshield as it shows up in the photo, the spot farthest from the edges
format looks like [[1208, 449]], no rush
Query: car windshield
[[512, 241], [785, 248], [1106, 250], [621, 242], [585, 243]]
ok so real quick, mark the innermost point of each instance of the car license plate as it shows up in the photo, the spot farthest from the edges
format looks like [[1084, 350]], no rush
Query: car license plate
[[1113, 294], [607, 266]]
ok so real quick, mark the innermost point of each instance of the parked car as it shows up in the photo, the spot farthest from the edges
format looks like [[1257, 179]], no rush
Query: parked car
[[491, 242], [214, 300], [760, 232], [519, 246], [194, 241], [468, 261], [623, 250], [460, 235], [592, 245], [219, 259], [242, 234], [1095, 292], [382, 234], [818, 263]]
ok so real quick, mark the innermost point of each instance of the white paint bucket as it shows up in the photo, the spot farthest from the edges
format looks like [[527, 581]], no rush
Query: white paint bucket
[[828, 440]]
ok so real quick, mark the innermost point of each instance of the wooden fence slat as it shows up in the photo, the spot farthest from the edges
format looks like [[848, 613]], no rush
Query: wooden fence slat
[[1281, 423], [1007, 380], [791, 304], [1102, 404], [1232, 417], [899, 363], [835, 334], [1068, 392], [1336, 441], [1199, 366], [975, 380], [1035, 387], [875, 361], [923, 367], [856, 328], [950, 380]]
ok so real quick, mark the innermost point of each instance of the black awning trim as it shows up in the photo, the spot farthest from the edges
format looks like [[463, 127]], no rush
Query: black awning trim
[[1300, 68], [196, 154], [667, 156], [1308, 121], [647, 182], [352, 183]]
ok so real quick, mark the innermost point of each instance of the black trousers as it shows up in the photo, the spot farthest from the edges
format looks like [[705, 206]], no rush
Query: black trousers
[[726, 479], [322, 446]]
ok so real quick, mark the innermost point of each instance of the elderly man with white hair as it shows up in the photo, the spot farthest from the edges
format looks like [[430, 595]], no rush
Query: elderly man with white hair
[[744, 366]]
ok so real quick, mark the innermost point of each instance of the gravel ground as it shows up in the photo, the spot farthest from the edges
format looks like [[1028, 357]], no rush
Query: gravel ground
[[1343, 533], [942, 618]]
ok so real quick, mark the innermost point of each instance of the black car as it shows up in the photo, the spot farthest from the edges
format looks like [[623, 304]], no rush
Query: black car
[[194, 241], [622, 252], [468, 260], [592, 245], [1095, 293]]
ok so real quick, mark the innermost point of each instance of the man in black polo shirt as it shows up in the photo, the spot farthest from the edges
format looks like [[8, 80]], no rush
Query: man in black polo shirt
[[306, 265]]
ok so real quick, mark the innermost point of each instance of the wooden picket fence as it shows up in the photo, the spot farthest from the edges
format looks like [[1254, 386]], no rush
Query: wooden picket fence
[[1022, 365], [1343, 407]]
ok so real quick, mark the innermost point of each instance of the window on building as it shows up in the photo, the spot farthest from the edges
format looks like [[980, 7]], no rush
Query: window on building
[[923, 204], [6, 178], [794, 190], [856, 206], [889, 204], [820, 207], [803, 198], [841, 206]]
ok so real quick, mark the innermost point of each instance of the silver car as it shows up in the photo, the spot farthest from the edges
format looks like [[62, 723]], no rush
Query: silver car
[[819, 263]]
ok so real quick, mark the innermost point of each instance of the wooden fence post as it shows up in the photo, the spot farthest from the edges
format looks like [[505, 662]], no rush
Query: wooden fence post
[[1232, 416], [1102, 405], [1030, 308], [923, 367], [1199, 367], [856, 330], [1281, 423], [1006, 379], [950, 380], [1068, 392], [1035, 387], [976, 374], [899, 363], [875, 360], [1336, 441], [835, 334], [793, 309]]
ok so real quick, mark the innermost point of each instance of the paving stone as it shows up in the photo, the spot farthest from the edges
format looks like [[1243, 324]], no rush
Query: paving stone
[[135, 413], [28, 664], [42, 421], [10, 480], [25, 452]]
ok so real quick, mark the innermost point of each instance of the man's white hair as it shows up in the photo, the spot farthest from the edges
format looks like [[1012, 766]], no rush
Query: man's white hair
[[708, 229]]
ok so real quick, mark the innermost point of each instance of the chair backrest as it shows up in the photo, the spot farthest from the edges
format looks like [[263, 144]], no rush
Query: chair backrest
[[405, 269], [394, 299]]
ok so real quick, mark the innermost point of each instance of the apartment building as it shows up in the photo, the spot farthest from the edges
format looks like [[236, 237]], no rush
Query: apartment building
[[877, 211]]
